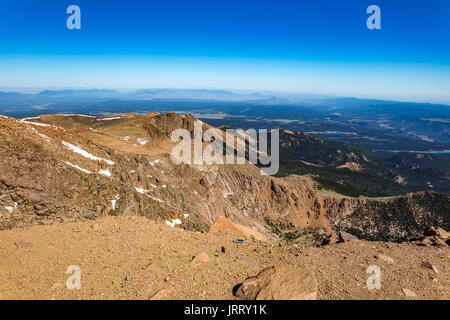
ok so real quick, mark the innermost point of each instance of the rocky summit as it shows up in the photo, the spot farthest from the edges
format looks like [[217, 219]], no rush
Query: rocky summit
[[103, 194]]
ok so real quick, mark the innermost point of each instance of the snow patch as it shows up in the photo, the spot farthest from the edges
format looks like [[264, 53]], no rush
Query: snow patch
[[142, 141], [105, 172], [46, 138], [152, 163], [112, 118], [85, 153], [36, 123], [140, 190], [173, 223], [77, 167], [156, 199]]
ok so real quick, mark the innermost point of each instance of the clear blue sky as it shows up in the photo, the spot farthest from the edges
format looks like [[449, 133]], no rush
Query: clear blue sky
[[320, 46]]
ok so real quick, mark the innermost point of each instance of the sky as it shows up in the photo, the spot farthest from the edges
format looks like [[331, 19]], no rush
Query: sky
[[315, 47]]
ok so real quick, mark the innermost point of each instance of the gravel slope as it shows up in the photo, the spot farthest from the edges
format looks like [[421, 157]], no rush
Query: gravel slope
[[133, 258]]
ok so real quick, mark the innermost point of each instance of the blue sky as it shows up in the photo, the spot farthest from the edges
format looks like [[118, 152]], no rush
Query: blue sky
[[320, 46]]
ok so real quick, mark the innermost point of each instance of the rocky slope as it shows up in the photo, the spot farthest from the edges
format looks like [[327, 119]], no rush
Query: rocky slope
[[67, 168]]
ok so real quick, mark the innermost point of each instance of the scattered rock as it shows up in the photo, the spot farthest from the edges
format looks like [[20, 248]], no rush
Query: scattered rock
[[23, 244], [409, 294], [428, 265], [149, 267], [223, 250], [279, 282], [330, 239], [199, 259], [384, 258], [160, 294], [96, 226]]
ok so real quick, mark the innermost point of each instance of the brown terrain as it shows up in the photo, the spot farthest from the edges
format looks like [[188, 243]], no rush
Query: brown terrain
[[103, 194]]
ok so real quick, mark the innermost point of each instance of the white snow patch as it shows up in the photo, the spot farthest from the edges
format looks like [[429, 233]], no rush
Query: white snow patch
[[152, 163], [36, 123], [227, 194], [46, 138], [185, 215], [142, 141], [140, 190], [105, 172], [85, 153], [173, 223], [112, 118], [164, 186], [74, 114], [9, 208], [113, 203], [153, 186], [77, 167], [156, 199]]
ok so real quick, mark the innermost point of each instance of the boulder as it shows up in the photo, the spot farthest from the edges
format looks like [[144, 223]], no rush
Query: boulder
[[436, 231], [279, 282], [199, 259], [345, 236], [330, 239], [384, 258], [409, 294]]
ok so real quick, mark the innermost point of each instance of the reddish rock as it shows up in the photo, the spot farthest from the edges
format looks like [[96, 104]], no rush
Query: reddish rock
[[384, 258], [223, 224], [279, 282], [199, 259]]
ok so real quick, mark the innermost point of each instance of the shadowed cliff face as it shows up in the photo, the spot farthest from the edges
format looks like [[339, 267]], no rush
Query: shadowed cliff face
[[66, 168]]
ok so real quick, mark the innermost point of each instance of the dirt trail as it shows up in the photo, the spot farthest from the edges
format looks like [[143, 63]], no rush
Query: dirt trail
[[133, 258]]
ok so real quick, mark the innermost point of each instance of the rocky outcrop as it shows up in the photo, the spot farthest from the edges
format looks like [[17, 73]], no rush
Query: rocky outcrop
[[434, 237], [43, 180]]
